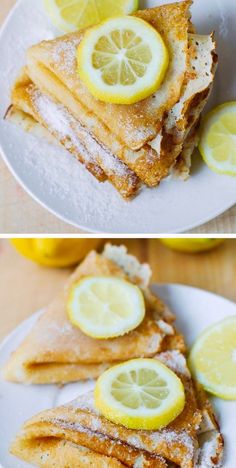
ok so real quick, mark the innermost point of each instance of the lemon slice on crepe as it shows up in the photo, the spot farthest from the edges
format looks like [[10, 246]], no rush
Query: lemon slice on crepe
[[105, 307], [123, 60], [72, 15], [140, 394], [218, 139], [213, 359]]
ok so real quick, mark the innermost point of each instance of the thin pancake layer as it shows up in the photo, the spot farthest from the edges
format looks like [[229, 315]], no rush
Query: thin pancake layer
[[27, 122], [53, 452], [183, 164], [57, 351], [73, 136], [182, 118]]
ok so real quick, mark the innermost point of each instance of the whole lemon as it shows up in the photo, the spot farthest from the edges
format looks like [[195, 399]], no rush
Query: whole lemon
[[55, 252], [191, 245]]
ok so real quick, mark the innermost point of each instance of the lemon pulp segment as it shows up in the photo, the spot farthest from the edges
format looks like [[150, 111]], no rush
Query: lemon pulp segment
[[123, 60], [213, 359], [105, 307], [140, 394], [218, 139], [72, 15]]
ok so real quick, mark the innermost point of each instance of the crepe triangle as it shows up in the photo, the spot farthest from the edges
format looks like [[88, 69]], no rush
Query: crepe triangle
[[55, 351], [76, 430]]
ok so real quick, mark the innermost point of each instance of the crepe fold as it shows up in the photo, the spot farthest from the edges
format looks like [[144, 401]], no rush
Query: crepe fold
[[73, 136], [76, 434], [130, 145], [55, 351]]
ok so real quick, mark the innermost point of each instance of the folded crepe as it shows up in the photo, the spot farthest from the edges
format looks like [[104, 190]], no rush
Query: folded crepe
[[139, 143], [184, 160], [179, 134], [73, 136], [56, 351], [76, 435]]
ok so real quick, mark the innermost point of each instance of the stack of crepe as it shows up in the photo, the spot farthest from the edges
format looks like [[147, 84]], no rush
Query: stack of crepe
[[128, 145], [75, 435]]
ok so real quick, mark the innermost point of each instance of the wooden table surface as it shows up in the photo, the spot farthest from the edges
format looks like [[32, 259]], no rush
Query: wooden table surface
[[26, 287], [19, 213]]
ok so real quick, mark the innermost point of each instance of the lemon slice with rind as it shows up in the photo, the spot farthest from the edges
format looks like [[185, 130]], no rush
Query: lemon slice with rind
[[123, 60], [218, 139], [213, 359], [72, 15], [140, 394], [105, 307]]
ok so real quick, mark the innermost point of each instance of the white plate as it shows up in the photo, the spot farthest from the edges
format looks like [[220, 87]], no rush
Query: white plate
[[59, 183], [195, 310]]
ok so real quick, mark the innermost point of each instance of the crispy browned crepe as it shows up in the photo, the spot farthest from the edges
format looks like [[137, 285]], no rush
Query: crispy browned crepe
[[56, 437], [55, 351], [132, 144], [73, 136], [53, 63], [179, 134]]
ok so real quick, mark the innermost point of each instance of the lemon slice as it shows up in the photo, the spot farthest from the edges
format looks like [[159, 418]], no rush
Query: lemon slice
[[218, 139], [213, 359], [72, 15], [140, 394], [105, 307], [123, 60]]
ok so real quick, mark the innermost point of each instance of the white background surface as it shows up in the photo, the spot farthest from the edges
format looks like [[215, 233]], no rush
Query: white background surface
[[195, 310], [63, 186]]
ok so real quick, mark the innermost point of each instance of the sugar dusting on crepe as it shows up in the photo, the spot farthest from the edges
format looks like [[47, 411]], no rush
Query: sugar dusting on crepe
[[59, 119]]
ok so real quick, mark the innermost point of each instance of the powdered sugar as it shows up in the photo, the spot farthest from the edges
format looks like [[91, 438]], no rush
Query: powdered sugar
[[179, 439], [208, 457], [154, 343], [175, 361], [165, 327], [130, 264], [85, 402], [59, 119], [64, 54]]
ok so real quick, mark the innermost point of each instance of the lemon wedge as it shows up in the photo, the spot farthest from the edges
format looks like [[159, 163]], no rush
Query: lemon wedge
[[218, 139], [105, 307], [53, 252], [140, 394], [213, 359], [123, 60], [72, 15]]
